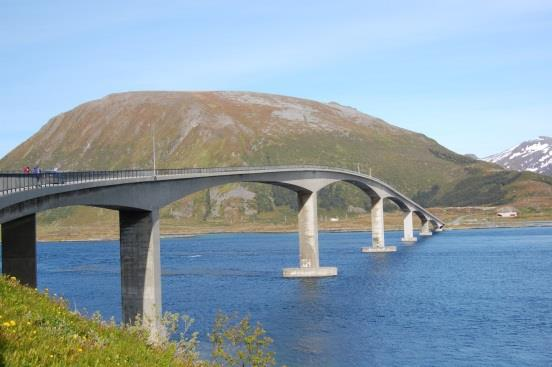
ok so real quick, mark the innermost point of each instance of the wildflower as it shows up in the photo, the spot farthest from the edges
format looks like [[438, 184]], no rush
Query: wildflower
[[51, 356], [6, 324], [80, 350], [75, 336], [13, 278], [34, 331], [28, 323], [12, 323]]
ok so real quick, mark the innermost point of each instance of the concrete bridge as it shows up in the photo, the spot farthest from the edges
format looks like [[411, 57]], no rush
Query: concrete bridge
[[138, 195]]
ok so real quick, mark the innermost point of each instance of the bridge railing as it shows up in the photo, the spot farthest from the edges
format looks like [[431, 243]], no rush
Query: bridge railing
[[11, 182]]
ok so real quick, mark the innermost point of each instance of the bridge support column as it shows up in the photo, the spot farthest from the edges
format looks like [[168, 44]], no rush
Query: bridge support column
[[408, 236], [19, 249], [141, 269], [425, 231], [378, 229], [309, 263]]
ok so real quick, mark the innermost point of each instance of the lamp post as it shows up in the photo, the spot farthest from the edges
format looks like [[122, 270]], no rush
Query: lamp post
[[153, 150]]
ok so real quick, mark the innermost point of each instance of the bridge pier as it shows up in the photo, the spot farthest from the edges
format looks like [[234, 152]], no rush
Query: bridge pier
[[19, 249], [309, 263], [425, 231], [378, 229], [408, 236], [141, 269]]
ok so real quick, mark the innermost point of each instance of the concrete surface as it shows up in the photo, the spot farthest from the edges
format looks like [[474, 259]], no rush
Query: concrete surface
[[379, 249], [141, 269], [19, 249], [309, 272]]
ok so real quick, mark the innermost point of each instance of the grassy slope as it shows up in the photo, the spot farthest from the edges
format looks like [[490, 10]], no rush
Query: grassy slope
[[37, 330]]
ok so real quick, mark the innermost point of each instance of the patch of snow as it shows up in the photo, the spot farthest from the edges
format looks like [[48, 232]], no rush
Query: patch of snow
[[499, 156], [545, 157], [547, 163], [517, 154], [536, 147]]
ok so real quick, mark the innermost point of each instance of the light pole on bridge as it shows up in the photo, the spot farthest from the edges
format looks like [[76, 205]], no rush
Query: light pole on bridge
[[153, 150]]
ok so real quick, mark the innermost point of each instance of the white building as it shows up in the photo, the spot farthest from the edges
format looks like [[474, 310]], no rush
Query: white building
[[507, 213]]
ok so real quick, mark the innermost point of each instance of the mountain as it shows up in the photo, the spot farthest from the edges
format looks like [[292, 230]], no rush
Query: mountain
[[533, 155], [209, 129]]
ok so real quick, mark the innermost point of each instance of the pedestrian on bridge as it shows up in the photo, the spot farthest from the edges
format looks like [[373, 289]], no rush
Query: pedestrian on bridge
[[37, 171]]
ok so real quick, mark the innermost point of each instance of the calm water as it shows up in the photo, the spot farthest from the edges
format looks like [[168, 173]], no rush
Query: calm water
[[477, 297]]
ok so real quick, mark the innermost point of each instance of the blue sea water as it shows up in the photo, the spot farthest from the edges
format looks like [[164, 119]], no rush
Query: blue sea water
[[460, 298]]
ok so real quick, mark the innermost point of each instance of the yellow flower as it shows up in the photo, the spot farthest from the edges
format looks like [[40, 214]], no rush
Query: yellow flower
[[6, 324], [13, 278], [51, 356], [80, 349], [28, 322], [34, 331], [75, 336], [12, 323]]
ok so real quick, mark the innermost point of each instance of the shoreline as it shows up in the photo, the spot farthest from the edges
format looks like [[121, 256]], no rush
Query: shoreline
[[525, 224]]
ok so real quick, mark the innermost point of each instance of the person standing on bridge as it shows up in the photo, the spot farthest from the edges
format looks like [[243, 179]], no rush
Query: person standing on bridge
[[37, 172], [26, 170]]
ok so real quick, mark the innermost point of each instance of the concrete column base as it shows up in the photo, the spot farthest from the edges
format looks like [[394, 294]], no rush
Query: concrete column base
[[426, 234], [379, 249], [309, 272], [19, 249], [409, 240]]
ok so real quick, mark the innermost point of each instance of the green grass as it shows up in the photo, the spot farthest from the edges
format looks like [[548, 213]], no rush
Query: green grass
[[38, 330]]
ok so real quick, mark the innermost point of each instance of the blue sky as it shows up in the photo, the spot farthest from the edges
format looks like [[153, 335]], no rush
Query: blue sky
[[474, 75]]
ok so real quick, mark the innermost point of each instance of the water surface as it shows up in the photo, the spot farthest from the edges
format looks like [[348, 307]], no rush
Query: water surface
[[461, 298]]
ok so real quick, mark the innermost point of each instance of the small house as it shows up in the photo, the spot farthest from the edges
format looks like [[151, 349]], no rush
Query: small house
[[507, 213]]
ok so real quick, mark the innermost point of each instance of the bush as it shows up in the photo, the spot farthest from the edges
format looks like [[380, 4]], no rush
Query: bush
[[239, 344]]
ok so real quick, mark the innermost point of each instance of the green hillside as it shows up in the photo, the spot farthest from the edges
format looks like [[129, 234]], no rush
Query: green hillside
[[210, 129]]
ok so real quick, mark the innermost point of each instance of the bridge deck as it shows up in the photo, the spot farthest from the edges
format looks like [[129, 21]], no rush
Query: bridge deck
[[17, 182]]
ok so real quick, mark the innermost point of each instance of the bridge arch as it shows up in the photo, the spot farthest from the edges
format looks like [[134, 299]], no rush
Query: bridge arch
[[147, 193]]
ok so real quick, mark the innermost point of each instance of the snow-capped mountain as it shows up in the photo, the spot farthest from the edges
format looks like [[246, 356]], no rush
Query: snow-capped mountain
[[533, 155]]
